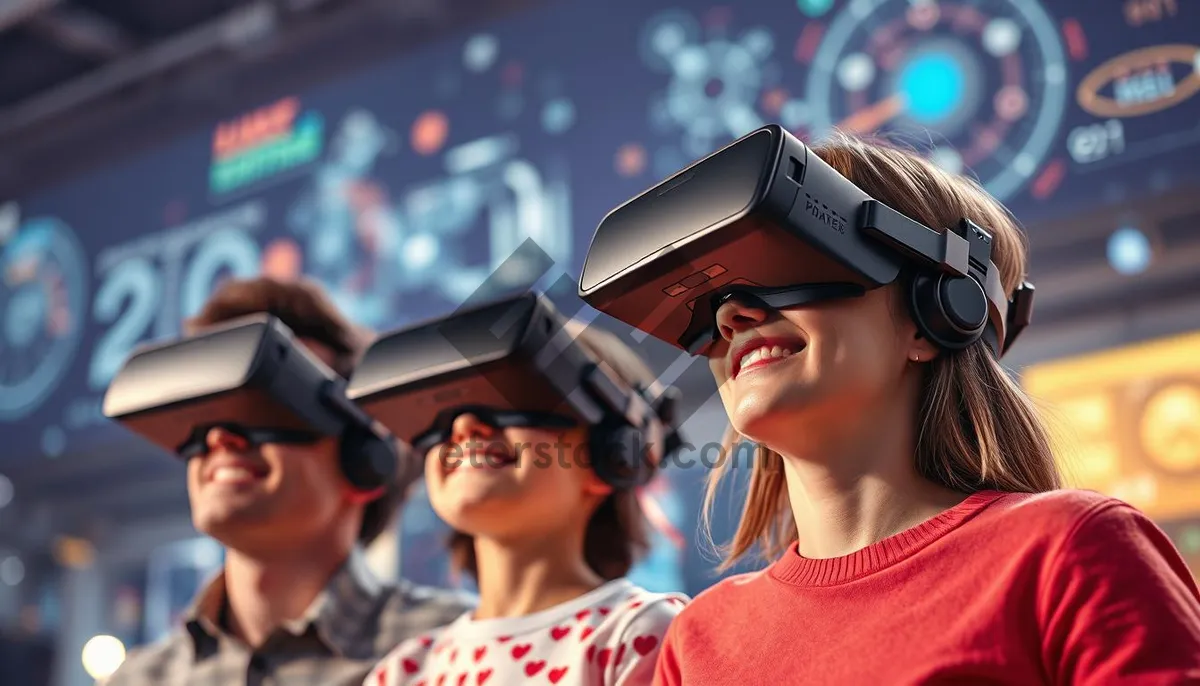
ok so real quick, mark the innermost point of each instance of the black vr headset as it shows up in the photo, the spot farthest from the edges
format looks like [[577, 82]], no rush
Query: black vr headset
[[253, 377], [512, 363], [766, 219]]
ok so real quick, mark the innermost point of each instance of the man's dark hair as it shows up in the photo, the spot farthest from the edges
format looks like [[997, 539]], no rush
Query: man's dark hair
[[617, 534], [303, 307]]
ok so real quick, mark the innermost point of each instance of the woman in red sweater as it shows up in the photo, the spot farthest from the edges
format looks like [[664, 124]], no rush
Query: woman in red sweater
[[911, 505]]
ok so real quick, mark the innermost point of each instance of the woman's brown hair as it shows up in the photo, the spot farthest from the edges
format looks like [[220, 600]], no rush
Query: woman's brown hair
[[977, 429], [616, 533]]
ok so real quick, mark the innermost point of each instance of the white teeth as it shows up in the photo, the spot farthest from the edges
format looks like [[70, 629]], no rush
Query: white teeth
[[765, 352], [224, 475]]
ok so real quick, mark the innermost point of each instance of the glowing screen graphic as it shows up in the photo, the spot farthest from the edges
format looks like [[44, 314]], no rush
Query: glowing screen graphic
[[403, 187]]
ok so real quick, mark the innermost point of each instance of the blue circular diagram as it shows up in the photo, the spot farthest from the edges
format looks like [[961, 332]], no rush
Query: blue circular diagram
[[712, 95], [42, 312], [982, 85]]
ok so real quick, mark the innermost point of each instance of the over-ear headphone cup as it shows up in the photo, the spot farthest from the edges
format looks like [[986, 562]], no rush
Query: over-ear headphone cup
[[950, 311], [368, 461], [616, 455]]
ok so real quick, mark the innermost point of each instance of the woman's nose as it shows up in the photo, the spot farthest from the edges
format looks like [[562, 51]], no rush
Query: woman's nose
[[736, 314], [467, 426]]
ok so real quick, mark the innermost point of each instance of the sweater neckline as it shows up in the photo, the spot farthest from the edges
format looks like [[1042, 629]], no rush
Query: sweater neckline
[[469, 628], [795, 569]]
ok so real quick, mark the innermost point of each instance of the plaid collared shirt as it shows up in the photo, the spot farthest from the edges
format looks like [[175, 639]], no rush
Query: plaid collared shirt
[[349, 627]]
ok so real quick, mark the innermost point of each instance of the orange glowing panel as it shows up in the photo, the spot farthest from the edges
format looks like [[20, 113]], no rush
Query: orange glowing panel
[[1126, 422]]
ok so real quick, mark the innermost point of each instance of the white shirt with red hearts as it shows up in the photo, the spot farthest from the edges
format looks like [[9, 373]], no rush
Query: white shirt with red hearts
[[607, 637]]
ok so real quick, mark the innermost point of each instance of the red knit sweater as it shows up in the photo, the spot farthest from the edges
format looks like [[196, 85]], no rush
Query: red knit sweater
[[1067, 587]]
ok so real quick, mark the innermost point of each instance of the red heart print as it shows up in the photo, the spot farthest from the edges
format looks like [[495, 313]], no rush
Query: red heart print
[[587, 631], [441, 680], [603, 611], [426, 641], [620, 654], [634, 606], [482, 676], [462, 679], [519, 652], [555, 675], [480, 652], [381, 677], [602, 657], [591, 652], [532, 668], [453, 655], [559, 631], [504, 639], [644, 644], [582, 615], [411, 666], [420, 683]]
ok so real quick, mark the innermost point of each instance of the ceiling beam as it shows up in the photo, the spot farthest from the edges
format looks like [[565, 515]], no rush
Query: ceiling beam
[[247, 23], [83, 32], [16, 12]]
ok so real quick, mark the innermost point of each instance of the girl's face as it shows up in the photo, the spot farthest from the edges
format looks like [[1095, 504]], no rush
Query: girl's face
[[513, 483], [814, 368]]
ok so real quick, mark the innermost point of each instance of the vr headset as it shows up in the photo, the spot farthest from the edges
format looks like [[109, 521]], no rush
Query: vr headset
[[252, 376], [513, 363], [765, 218]]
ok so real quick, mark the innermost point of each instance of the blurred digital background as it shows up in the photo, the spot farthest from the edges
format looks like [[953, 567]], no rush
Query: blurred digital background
[[399, 150]]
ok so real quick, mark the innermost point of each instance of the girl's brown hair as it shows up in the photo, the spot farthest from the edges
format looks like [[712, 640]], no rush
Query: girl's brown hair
[[977, 429], [616, 533]]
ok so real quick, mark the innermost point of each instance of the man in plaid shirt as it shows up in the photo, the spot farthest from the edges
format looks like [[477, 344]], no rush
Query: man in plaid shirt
[[295, 603]]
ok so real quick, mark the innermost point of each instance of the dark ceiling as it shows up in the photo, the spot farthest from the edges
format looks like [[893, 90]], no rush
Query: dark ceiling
[[84, 81]]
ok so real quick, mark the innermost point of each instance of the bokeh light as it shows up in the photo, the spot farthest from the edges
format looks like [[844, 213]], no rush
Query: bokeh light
[[558, 116], [12, 571], [74, 553], [429, 132], [282, 259], [479, 54], [102, 655], [6, 491], [1129, 251], [631, 159]]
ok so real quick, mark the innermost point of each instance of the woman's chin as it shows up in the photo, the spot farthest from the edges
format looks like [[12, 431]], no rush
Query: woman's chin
[[762, 418], [753, 421]]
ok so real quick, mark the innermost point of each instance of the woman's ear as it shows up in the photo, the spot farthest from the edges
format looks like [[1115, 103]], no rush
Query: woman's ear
[[594, 485], [921, 349]]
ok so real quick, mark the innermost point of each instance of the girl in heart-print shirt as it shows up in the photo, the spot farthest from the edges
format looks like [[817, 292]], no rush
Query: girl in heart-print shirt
[[548, 540], [607, 636]]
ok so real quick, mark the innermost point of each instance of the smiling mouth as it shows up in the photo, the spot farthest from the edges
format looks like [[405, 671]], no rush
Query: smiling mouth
[[235, 472], [479, 462], [766, 355]]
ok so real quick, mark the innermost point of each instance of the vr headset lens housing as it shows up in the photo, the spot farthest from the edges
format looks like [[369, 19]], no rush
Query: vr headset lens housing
[[511, 357], [249, 373], [197, 442], [766, 215]]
